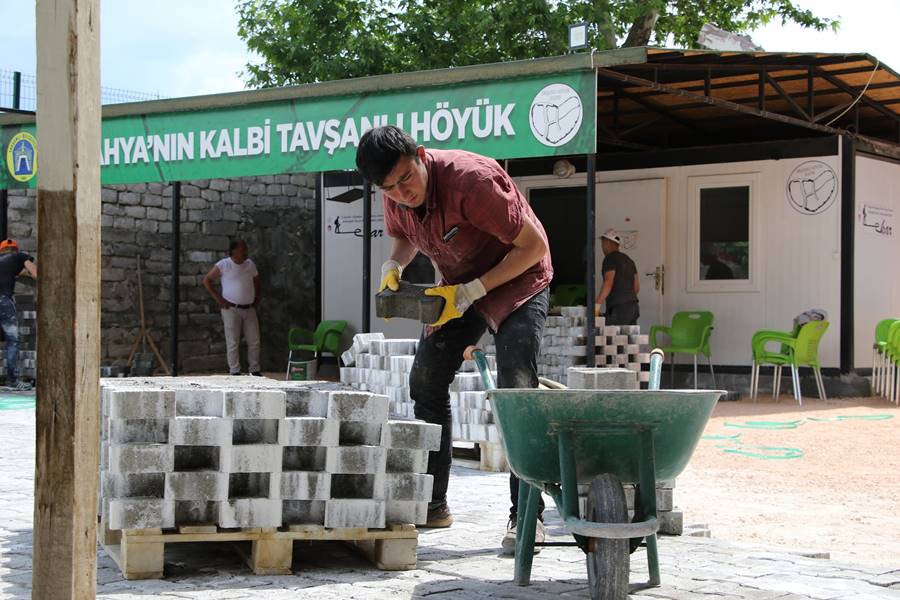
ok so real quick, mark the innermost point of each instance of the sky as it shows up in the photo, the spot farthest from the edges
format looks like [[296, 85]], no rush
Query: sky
[[174, 48]]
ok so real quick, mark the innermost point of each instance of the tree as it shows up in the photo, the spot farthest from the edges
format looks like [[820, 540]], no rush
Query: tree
[[302, 41]]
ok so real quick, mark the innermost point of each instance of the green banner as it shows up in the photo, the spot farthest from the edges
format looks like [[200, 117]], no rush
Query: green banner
[[514, 118]]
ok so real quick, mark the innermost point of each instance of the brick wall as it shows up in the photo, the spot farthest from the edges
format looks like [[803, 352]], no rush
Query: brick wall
[[274, 214]]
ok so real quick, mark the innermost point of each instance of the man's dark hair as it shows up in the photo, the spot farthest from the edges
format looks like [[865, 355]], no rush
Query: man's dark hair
[[234, 245], [380, 149]]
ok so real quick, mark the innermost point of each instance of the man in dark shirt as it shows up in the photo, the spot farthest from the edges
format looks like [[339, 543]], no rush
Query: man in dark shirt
[[621, 283], [12, 262], [465, 213]]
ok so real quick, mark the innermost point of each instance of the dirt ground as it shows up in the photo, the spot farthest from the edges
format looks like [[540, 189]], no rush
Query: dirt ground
[[842, 495]]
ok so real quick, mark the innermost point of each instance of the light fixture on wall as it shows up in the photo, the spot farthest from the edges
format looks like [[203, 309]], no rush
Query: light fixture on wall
[[578, 36], [563, 168]]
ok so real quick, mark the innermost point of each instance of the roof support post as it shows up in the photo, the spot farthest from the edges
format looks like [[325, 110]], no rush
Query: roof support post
[[176, 274], [590, 275], [367, 258]]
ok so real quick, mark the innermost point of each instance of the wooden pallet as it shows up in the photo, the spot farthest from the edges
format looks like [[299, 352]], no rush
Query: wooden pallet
[[139, 553]]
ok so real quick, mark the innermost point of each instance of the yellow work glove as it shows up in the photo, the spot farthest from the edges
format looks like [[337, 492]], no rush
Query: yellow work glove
[[390, 276], [458, 299]]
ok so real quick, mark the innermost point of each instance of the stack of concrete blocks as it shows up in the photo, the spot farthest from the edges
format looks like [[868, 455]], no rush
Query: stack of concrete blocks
[[671, 520], [27, 321], [383, 365], [257, 453]]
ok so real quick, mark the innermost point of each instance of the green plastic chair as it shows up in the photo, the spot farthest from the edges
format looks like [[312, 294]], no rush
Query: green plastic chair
[[325, 339], [797, 351], [879, 355], [689, 334], [892, 358]]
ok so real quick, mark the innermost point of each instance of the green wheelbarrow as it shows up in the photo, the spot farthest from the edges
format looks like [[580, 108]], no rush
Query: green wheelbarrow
[[559, 439]]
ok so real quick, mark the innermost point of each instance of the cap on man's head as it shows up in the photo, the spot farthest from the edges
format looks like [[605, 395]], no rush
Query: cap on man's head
[[9, 244], [612, 235]]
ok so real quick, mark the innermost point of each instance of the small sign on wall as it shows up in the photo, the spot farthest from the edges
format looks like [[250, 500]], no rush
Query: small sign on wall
[[812, 187], [877, 219]]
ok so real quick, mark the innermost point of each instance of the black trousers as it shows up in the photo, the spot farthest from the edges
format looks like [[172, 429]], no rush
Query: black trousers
[[440, 355], [623, 314]]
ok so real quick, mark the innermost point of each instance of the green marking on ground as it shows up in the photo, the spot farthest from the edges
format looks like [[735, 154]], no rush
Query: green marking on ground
[[767, 452], [880, 417], [16, 402], [766, 424], [720, 437]]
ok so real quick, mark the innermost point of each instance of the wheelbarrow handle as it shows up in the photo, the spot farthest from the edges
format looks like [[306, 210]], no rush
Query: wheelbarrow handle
[[477, 354], [656, 361]]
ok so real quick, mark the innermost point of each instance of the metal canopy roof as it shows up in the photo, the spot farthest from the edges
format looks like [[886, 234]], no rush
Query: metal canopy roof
[[684, 98]]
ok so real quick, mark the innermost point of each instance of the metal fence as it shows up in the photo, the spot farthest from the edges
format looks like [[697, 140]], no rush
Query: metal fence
[[28, 92]]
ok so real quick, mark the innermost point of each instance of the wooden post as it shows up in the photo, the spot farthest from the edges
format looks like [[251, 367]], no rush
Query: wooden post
[[68, 358]]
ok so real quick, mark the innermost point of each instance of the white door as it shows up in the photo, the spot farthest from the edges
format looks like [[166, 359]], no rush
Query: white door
[[636, 209]]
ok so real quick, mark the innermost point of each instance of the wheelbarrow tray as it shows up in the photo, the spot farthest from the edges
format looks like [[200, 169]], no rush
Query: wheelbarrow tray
[[605, 427]]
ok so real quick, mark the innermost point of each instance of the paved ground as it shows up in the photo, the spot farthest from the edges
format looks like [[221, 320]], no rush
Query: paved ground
[[455, 564]]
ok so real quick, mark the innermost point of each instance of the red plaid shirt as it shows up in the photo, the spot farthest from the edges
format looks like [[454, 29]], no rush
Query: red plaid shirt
[[473, 213]]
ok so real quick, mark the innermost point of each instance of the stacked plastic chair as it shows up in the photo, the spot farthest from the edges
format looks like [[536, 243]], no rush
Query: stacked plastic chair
[[880, 357], [888, 385]]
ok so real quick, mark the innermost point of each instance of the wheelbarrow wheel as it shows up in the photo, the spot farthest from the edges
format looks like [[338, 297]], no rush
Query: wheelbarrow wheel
[[608, 562]]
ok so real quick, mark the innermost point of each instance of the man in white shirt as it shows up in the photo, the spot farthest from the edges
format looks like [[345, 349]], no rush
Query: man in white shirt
[[241, 293]]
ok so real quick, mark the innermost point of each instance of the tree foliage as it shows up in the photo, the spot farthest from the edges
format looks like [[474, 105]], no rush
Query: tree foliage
[[301, 41]]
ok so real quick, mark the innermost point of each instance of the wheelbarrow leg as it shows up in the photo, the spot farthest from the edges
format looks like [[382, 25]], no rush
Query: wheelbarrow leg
[[648, 501], [526, 522]]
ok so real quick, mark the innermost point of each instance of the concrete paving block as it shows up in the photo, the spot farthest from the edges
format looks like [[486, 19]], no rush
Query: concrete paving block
[[369, 486], [254, 485], [671, 522], [200, 431], [348, 358], [196, 512], [601, 379], [196, 486], [406, 512], [252, 458], [348, 375], [104, 456], [136, 485], [407, 461], [308, 431], [413, 487], [354, 513], [255, 404], [141, 458], [249, 512], [573, 311], [362, 341], [306, 402], [303, 512], [136, 431], [254, 431], [356, 459], [199, 403], [303, 458], [466, 382], [357, 433], [411, 435], [305, 485], [141, 513], [141, 403], [358, 406]]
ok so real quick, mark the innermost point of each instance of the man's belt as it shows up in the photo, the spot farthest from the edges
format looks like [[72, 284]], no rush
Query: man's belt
[[241, 305]]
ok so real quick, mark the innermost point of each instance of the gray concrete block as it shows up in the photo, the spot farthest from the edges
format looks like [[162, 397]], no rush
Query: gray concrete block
[[412, 487], [305, 485], [141, 403], [407, 461], [409, 302], [411, 435], [601, 379], [303, 512], [356, 433], [136, 431], [141, 458], [357, 406], [354, 513], [196, 512], [137, 485], [306, 402], [141, 513], [249, 512], [255, 404], [406, 512], [671, 522], [356, 459], [348, 358], [200, 431], [199, 403], [254, 431], [308, 431], [252, 458], [361, 341], [303, 458], [369, 486], [196, 486]]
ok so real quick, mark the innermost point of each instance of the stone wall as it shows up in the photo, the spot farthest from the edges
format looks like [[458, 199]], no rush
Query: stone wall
[[274, 214]]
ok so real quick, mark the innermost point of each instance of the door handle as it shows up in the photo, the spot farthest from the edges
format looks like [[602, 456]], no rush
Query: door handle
[[659, 278]]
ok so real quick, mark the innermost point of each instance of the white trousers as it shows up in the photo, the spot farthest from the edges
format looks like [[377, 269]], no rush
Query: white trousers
[[237, 320]]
